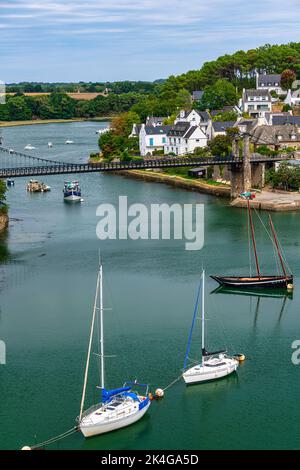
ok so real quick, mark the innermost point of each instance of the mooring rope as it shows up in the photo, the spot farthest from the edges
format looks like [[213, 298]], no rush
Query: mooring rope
[[55, 438], [172, 383]]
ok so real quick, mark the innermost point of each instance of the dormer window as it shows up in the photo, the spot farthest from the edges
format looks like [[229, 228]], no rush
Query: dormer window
[[293, 136], [279, 137]]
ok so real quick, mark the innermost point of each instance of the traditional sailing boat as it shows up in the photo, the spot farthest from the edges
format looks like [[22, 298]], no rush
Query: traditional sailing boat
[[259, 281], [214, 365], [120, 407]]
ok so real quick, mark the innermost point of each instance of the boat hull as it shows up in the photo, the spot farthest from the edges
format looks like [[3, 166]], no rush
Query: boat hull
[[72, 198], [89, 430], [200, 373], [254, 282]]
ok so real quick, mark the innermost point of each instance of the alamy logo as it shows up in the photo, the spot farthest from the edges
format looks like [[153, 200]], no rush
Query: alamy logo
[[296, 354], [2, 353], [2, 92], [154, 222]]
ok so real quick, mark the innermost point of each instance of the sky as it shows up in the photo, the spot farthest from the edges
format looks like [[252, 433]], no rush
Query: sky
[[111, 40]]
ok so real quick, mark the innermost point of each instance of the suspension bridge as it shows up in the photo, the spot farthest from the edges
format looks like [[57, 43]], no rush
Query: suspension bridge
[[16, 164]]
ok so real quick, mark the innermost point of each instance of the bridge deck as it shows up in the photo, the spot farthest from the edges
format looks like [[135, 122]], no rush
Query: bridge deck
[[39, 166]]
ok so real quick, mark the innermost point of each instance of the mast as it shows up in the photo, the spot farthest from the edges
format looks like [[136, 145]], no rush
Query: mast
[[253, 238], [277, 245], [203, 314], [89, 350], [101, 327]]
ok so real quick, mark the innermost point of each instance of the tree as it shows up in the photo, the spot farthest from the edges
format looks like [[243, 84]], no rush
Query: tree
[[287, 79], [220, 146], [216, 96]]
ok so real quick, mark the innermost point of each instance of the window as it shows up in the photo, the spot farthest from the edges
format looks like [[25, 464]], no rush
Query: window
[[151, 141], [163, 140]]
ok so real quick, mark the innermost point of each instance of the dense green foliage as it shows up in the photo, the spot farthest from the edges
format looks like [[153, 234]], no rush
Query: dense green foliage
[[287, 177], [116, 142]]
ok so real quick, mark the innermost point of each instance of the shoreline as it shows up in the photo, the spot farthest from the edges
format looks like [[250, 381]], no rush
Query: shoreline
[[51, 121], [266, 201], [178, 181]]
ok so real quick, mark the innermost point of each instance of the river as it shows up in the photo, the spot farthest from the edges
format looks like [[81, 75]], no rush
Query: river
[[47, 283]]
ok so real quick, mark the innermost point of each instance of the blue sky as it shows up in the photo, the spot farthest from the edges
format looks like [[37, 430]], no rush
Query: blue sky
[[99, 40]]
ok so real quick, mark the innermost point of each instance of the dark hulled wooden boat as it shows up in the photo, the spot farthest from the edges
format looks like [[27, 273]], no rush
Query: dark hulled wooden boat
[[254, 282], [259, 281]]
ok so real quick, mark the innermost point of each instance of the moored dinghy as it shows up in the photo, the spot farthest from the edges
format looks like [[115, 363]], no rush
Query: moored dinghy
[[214, 365], [120, 407]]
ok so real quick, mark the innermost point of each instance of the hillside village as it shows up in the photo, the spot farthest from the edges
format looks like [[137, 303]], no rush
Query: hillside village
[[259, 112]]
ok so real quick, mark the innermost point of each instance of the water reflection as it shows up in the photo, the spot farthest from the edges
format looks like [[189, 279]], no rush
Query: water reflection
[[258, 294], [4, 251]]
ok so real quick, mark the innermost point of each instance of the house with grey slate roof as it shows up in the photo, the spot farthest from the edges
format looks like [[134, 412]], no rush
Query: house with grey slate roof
[[184, 137], [270, 82], [220, 127], [276, 137], [196, 118], [152, 138], [256, 103]]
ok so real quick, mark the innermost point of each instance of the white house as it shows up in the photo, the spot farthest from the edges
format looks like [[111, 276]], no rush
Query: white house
[[152, 138], [293, 98], [256, 103], [270, 82], [183, 138], [196, 118]]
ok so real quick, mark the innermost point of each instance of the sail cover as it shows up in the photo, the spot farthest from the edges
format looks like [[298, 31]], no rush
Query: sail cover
[[207, 354], [108, 394]]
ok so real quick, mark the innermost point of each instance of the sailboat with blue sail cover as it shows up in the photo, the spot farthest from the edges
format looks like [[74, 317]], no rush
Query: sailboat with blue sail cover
[[119, 407], [214, 365]]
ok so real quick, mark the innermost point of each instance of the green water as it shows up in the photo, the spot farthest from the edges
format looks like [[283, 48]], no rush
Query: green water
[[47, 284]]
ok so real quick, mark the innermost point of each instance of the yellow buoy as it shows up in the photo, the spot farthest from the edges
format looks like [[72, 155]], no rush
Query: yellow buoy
[[26, 448], [290, 287], [240, 357]]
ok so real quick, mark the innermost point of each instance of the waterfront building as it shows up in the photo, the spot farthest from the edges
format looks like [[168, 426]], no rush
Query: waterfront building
[[196, 118], [152, 138], [183, 138]]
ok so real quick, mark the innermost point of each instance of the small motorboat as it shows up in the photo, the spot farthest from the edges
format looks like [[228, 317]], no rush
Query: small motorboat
[[50, 145], [69, 142], [72, 191], [29, 147], [10, 182], [35, 186]]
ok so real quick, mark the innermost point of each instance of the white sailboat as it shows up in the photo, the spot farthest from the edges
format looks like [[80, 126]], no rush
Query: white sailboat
[[120, 407], [214, 365]]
